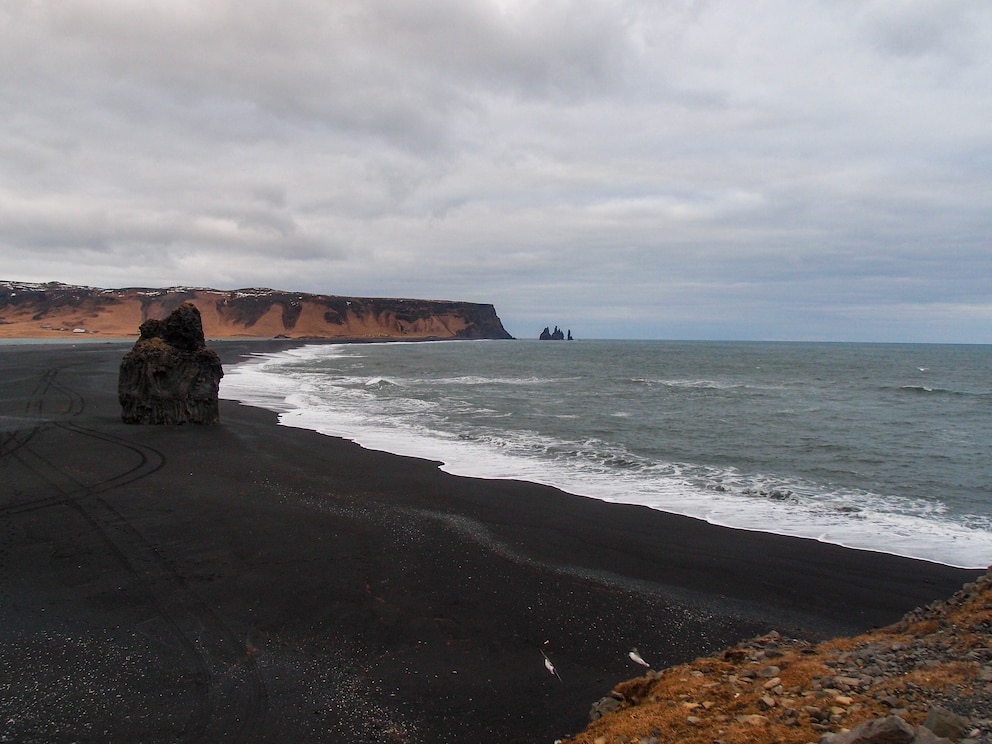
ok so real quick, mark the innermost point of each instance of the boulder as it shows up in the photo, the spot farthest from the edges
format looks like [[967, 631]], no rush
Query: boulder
[[888, 730], [609, 704], [170, 376], [946, 724], [926, 736]]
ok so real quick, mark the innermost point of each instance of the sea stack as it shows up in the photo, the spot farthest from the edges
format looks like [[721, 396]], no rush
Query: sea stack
[[556, 335], [170, 376]]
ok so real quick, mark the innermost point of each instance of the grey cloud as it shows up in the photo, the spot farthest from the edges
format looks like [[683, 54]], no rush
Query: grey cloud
[[393, 68], [702, 163], [915, 28]]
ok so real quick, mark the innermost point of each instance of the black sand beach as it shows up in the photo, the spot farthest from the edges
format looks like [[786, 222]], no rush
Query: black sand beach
[[251, 582]]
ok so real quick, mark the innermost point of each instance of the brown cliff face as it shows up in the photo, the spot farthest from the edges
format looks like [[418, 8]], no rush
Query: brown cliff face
[[58, 310]]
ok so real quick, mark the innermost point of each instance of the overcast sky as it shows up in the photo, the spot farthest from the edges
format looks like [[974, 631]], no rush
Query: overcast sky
[[712, 169]]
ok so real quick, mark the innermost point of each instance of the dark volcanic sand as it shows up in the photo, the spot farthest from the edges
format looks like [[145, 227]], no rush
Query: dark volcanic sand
[[251, 582]]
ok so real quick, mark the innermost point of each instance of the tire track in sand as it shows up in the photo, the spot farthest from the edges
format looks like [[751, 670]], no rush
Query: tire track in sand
[[232, 698], [34, 410]]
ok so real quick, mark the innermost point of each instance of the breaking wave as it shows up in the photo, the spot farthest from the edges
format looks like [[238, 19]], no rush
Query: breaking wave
[[589, 448]]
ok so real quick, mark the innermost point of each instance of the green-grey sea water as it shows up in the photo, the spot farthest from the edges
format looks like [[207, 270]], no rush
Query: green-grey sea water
[[884, 447]]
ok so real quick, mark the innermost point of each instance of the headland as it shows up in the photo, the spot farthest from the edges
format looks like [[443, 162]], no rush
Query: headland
[[55, 310]]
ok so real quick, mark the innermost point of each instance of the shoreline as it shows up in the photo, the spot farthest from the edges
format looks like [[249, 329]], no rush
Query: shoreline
[[956, 547], [286, 584]]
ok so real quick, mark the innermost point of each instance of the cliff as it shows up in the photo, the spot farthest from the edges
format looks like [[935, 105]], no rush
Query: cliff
[[934, 664], [56, 310]]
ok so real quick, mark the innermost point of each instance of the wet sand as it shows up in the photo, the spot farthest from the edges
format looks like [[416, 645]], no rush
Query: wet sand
[[253, 582]]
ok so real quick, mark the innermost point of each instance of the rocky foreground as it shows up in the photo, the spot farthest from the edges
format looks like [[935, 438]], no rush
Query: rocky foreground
[[927, 678], [55, 310]]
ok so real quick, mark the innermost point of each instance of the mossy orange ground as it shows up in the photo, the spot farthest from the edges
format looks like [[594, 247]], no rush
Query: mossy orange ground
[[730, 698]]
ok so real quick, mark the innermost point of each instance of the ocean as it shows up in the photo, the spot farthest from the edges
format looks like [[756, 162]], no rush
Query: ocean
[[883, 447]]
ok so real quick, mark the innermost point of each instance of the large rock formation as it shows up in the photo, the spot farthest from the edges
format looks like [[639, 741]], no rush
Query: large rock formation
[[556, 335], [170, 376]]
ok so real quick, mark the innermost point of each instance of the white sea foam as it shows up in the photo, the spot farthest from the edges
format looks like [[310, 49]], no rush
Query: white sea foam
[[477, 380], [357, 408]]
